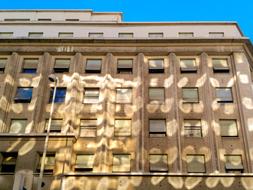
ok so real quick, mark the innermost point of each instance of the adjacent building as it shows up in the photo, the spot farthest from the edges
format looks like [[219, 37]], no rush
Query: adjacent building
[[138, 105]]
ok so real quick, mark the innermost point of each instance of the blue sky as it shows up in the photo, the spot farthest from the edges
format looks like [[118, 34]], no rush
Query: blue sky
[[155, 10]]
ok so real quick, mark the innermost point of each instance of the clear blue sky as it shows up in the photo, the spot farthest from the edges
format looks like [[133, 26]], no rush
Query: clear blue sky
[[155, 10]]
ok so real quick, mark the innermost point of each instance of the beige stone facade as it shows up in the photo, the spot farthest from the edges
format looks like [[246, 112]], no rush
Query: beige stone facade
[[122, 159]]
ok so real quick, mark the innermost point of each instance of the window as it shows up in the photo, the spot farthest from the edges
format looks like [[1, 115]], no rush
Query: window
[[65, 34], [158, 163], [44, 19], [126, 35], [125, 66], [186, 34], [155, 35], [156, 94], [192, 128], [188, 65], [35, 34], [156, 66], [157, 127], [190, 95], [55, 127], [88, 128], [228, 128], [17, 19], [30, 65], [59, 95], [61, 65], [84, 162], [91, 96], [18, 126], [72, 19], [233, 164], [121, 163], [6, 34], [93, 66], [96, 35], [216, 34], [8, 162], [224, 95], [220, 65], [3, 62], [23, 95], [122, 127], [49, 163], [195, 163], [123, 95]]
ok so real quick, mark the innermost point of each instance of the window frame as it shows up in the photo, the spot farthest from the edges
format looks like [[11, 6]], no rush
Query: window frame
[[191, 101], [93, 71], [124, 70], [21, 99], [152, 69], [61, 99], [113, 164], [227, 100], [191, 128], [162, 170], [204, 164], [157, 133]]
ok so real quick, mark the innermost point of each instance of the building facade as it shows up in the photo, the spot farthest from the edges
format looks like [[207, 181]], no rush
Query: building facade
[[138, 105]]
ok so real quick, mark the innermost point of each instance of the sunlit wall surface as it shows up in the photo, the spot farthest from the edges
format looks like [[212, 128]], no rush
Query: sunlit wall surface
[[138, 105]]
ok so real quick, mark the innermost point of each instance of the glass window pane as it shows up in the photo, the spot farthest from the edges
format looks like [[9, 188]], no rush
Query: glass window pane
[[123, 95], [3, 62], [157, 127], [96, 35], [186, 34], [18, 126], [8, 163], [56, 125], [30, 63], [91, 96], [195, 163], [122, 127], [84, 161], [35, 34], [228, 128], [158, 162], [6, 34], [23, 95], [62, 63], [59, 96], [88, 128], [233, 162], [220, 65], [192, 128], [65, 34], [156, 64], [216, 34], [126, 35], [188, 65], [224, 94], [93, 66], [121, 163], [190, 95], [155, 35], [156, 94]]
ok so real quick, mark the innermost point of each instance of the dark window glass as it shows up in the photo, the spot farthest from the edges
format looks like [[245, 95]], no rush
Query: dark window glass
[[59, 95], [23, 95]]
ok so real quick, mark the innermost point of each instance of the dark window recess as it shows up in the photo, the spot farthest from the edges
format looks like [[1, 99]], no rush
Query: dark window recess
[[125, 66], [23, 95], [8, 162], [59, 95], [156, 66]]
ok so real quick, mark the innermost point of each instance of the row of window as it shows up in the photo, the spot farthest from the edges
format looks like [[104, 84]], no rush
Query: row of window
[[122, 163], [124, 95], [120, 35], [123, 127], [188, 65]]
